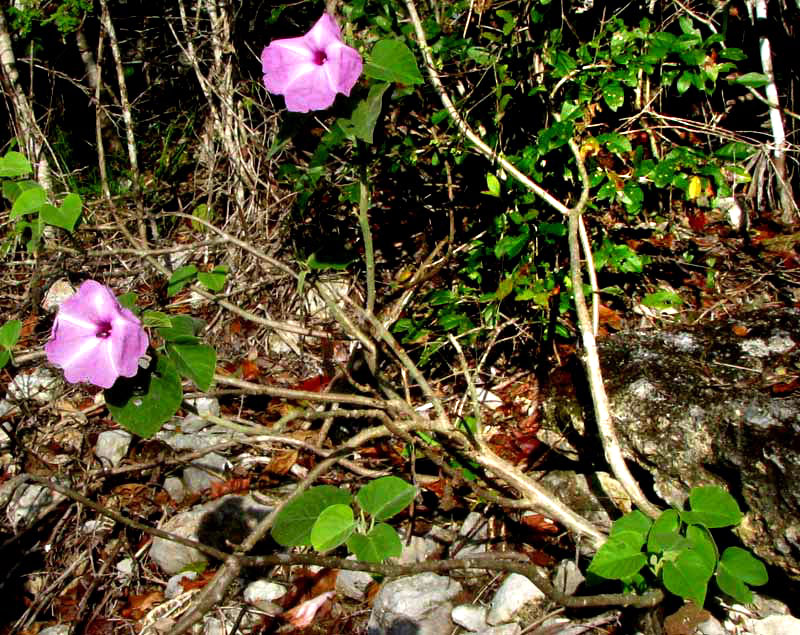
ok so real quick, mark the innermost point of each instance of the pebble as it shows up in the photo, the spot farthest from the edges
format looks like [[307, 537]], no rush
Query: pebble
[[28, 502], [174, 587], [470, 616], [262, 594], [473, 536], [515, 592], [205, 471], [503, 629], [774, 625], [125, 568], [217, 523], [175, 488], [112, 446], [418, 604], [205, 405], [353, 584], [568, 577], [40, 386]]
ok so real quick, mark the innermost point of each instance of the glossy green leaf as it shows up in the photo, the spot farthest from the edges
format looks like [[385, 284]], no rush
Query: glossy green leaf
[[702, 543], [9, 334], [738, 568], [634, 521], [380, 543], [617, 143], [386, 496], [687, 576], [144, 403], [5, 356], [295, 521], [665, 532], [65, 216], [662, 300], [213, 280], [713, 507], [28, 202], [492, 185], [392, 61], [753, 80], [620, 557], [613, 95], [194, 361], [744, 565], [14, 164], [180, 278], [361, 124], [333, 527]]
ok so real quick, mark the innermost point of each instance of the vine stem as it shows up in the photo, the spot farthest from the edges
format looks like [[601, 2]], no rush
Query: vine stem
[[577, 238], [366, 232]]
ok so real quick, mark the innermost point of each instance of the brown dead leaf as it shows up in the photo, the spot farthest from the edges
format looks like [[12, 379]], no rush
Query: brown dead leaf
[[139, 605], [540, 523], [610, 317], [250, 370], [199, 582], [282, 462], [231, 486], [685, 620]]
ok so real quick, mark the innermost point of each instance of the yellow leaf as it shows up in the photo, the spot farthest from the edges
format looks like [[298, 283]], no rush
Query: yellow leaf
[[695, 187]]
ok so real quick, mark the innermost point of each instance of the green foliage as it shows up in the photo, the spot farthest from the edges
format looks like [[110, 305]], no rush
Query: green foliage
[[66, 15], [143, 404], [213, 280], [323, 518], [9, 335], [27, 199], [678, 549]]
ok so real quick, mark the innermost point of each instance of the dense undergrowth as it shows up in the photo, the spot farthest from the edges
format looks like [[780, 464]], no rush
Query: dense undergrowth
[[152, 159]]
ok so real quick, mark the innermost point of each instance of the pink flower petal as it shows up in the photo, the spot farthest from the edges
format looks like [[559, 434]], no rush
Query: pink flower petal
[[324, 32], [309, 70], [94, 339]]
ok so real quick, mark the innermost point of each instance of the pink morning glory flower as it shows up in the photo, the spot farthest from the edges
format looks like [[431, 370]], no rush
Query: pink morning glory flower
[[309, 70], [94, 339]]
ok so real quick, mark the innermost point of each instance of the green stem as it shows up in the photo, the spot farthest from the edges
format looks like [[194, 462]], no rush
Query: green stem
[[369, 254]]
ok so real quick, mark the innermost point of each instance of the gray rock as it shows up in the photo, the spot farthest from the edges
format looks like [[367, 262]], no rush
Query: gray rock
[[414, 605], [473, 536], [711, 626], [221, 523], [192, 424], [112, 446], [696, 406], [419, 549], [262, 594], [353, 584], [775, 625], [470, 616], [205, 405], [174, 587], [175, 488], [215, 626], [205, 471], [124, 568], [503, 629], [40, 386], [568, 577], [58, 629], [515, 592], [29, 500]]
